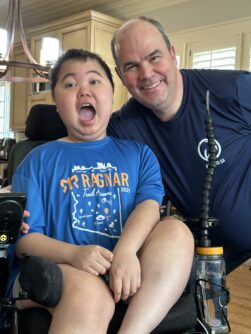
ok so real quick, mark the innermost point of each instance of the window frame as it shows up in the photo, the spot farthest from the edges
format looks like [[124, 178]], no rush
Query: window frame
[[5, 131]]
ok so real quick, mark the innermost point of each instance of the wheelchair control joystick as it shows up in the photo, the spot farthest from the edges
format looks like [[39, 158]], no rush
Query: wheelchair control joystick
[[11, 213]]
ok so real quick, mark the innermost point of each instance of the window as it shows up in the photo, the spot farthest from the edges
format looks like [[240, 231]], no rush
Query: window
[[221, 52], [215, 59], [178, 60], [5, 110]]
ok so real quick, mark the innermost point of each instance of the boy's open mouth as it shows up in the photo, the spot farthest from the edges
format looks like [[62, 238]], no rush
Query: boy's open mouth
[[87, 112]]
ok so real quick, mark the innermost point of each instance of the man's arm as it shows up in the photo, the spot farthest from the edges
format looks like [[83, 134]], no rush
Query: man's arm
[[244, 86]]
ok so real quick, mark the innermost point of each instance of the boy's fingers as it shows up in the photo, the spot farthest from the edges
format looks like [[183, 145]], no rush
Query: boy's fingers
[[108, 255], [25, 227], [117, 289], [26, 213]]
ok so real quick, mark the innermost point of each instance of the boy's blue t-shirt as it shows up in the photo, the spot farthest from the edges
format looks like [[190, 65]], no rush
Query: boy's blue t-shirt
[[83, 193]]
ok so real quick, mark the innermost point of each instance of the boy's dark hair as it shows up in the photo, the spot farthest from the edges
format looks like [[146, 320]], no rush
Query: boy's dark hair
[[78, 54]]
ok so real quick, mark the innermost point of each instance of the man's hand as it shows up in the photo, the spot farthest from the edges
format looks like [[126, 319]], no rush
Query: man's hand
[[125, 275]]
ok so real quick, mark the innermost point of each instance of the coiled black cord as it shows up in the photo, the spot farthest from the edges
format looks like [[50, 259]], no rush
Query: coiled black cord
[[205, 220]]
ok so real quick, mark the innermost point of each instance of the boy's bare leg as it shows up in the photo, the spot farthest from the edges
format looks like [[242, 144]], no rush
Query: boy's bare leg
[[85, 299], [166, 260], [86, 305]]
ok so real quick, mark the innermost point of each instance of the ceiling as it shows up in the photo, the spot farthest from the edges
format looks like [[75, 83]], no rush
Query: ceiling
[[36, 12]]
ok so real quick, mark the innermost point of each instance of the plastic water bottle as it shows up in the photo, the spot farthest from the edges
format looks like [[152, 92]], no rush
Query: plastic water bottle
[[211, 287]]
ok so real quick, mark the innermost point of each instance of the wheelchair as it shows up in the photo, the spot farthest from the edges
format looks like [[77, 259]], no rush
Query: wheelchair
[[44, 124]]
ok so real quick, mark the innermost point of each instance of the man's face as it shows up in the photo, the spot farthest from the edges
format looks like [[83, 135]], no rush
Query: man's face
[[146, 66]]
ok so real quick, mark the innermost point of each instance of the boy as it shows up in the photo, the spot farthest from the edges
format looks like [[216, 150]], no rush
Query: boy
[[94, 203]]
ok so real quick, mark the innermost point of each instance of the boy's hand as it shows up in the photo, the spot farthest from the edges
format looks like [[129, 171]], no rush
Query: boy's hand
[[93, 259], [124, 275], [25, 227]]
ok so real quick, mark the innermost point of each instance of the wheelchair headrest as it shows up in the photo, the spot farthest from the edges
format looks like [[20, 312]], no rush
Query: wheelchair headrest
[[44, 123]]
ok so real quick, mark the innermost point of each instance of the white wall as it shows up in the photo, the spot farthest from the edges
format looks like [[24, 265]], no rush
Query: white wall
[[196, 13], [208, 24]]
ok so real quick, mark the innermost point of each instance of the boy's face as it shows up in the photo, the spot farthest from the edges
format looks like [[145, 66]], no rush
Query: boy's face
[[84, 98]]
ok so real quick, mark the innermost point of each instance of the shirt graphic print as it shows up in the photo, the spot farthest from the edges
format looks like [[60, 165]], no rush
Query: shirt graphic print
[[95, 191]]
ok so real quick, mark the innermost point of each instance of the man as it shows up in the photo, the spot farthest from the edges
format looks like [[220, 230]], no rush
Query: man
[[167, 111]]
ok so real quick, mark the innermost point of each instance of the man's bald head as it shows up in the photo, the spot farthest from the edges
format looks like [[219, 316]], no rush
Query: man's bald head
[[132, 24]]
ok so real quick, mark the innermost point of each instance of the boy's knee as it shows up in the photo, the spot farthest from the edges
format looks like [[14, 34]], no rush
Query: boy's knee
[[176, 227]]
